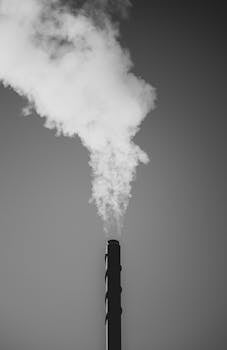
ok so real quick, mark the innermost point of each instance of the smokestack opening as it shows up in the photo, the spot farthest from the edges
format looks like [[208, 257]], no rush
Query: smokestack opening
[[113, 295]]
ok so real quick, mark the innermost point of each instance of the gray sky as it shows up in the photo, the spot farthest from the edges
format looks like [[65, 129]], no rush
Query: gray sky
[[174, 242]]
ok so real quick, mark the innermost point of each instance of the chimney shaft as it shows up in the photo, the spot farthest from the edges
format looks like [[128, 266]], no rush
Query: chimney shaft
[[113, 295]]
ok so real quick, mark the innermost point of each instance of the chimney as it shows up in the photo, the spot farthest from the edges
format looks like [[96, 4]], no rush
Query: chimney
[[113, 295]]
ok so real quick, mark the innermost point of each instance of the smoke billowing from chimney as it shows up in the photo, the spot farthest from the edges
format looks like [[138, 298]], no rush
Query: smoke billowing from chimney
[[65, 58]]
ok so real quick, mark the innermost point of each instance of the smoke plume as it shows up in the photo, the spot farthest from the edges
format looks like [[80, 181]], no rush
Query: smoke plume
[[65, 58]]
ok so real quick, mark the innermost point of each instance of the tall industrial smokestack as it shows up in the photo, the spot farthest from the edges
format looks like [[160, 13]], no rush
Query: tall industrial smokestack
[[113, 295]]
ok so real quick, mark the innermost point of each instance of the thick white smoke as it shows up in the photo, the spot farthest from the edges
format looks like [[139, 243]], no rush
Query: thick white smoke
[[75, 74]]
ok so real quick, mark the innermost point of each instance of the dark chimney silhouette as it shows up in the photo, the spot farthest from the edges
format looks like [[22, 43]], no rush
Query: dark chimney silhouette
[[113, 295]]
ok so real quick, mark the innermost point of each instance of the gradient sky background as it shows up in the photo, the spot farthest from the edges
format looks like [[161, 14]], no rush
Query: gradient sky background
[[174, 241]]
